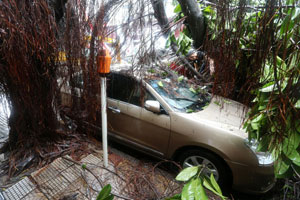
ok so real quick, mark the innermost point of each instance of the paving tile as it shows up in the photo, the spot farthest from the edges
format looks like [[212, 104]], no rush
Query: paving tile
[[35, 195], [63, 178], [92, 160], [72, 173], [19, 190], [51, 171], [54, 187], [79, 188]]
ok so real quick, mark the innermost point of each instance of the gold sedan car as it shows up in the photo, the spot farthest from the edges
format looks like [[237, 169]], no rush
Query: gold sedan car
[[170, 119]]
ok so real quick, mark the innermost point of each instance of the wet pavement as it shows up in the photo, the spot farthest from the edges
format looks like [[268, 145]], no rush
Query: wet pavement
[[66, 178]]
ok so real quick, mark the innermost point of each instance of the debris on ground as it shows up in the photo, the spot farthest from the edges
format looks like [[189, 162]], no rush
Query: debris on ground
[[66, 178]]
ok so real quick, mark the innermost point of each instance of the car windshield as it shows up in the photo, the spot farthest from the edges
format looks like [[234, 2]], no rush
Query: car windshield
[[181, 95]]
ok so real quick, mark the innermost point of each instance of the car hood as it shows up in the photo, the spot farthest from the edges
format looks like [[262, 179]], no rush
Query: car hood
[[225, 114]]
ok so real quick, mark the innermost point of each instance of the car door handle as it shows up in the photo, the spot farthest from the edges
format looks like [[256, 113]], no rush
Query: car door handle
[[114, 110]]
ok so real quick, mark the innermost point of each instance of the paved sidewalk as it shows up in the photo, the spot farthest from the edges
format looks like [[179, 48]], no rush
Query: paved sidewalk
[[66, 179]]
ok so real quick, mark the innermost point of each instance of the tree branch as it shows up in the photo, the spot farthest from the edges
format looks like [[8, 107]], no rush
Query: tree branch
[[160, 15]]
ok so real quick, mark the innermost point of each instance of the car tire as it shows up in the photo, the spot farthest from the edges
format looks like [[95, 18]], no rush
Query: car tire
[[215, 165]]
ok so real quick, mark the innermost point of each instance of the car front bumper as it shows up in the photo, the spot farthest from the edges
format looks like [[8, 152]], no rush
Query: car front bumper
[[252, 179]]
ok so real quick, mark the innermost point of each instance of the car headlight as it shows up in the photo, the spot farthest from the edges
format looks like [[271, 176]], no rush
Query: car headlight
[[264, 158]]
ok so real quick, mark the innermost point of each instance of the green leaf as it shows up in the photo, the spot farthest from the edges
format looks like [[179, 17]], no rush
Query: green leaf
[[268, 84], [193, 90], [217, 103], [168, 43], [187, 173], [227, 101], [177, 9], [294, 156], [262, 107], [297, 162], [206, 105], [160, 84], [208, 9], [180, 37], [297, 105], [175, 197], [255, 99], [254, 125], [164, 73], [110, 197], [258, 118], [269, 88], [151, 70], [207, 183], [104, 193], [180, 78], [290, 146], [83, 166], [189, 110], [282, 166], [215, 184], [280, 62], [263, 144], [296, 13], [188, 191], [286, 25], [199, 192]]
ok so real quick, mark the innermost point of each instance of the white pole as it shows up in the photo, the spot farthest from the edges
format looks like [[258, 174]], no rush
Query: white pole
[[104, 120]]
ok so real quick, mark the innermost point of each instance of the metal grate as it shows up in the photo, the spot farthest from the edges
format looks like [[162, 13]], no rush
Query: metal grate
[[72, 173], [91, 159], [35, 195], [19, 190], [54, 186], [63, 178], [51, 171]]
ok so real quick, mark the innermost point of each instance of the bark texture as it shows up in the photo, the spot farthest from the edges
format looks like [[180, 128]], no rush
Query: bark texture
[[28, 69], [195, 20]]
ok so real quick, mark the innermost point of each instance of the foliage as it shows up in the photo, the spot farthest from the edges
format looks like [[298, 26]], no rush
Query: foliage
[[195, 181], [262, 46], [182, 36], [183, 42], [255, 48], [105, 193]]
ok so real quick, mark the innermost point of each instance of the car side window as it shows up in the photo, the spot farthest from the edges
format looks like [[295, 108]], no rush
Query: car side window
[[120, 87], [127, 89], [140, 95], [148, 96]]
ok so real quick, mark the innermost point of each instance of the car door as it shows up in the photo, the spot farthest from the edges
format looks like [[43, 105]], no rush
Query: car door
[[156, 129], [123, 117], [130, 121]]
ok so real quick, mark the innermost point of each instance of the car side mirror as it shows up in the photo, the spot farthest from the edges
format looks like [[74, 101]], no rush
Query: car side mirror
[[153, 106]]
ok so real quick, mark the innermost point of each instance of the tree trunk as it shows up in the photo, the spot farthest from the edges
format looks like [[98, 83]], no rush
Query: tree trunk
[[195, 20], [28, 71], [160, 15]]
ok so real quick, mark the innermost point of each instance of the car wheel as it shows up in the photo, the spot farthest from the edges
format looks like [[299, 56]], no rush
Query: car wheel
[[214, 165]]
